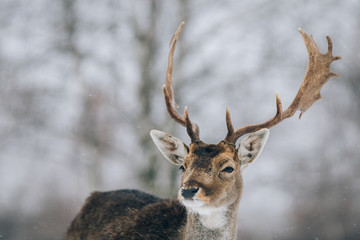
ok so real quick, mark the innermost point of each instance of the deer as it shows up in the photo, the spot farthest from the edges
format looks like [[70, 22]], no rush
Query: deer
[[211, 181]]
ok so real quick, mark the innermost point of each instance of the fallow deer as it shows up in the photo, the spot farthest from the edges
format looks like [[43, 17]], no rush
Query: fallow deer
[[211, 183]]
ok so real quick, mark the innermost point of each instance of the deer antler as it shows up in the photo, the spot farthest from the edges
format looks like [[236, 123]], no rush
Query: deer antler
[[317, 74], [192, 128]]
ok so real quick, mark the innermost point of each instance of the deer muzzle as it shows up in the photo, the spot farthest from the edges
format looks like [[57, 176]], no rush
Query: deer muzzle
[[189, 193]]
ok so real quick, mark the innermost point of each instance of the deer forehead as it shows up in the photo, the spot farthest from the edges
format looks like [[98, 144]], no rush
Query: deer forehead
[[204, 156]]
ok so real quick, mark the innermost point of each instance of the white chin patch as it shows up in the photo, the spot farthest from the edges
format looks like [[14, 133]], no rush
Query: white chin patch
[[193, 204], [210, 217]]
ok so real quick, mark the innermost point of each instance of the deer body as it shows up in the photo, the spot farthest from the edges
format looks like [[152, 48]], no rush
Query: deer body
[[137, 215], [128, 214], [211, 182]]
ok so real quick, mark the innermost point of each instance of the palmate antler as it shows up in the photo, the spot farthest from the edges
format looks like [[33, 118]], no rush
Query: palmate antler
[[317, 74]]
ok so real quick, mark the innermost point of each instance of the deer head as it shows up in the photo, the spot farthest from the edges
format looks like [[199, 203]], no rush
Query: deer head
[[211, 173], [211, 177]]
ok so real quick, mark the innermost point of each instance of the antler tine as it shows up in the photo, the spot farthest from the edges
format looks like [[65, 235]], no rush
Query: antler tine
[[317, 74], [229, 125], [192, 128], [232, 136]]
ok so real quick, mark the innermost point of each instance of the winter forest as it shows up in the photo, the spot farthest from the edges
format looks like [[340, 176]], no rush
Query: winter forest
[[80, 90]]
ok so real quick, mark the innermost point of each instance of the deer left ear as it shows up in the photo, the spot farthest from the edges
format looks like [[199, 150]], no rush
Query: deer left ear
[[171, 147], [251, 147]]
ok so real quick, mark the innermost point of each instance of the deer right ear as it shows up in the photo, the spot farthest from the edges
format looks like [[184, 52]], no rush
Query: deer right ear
[[171, 147], [251, 147]]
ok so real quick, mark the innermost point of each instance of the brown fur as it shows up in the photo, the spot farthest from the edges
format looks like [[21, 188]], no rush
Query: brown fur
[[203, 169], [127, 214]]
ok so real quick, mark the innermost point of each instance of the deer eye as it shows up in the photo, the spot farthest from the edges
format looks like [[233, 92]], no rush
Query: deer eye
[[182, 169], [228, 170]]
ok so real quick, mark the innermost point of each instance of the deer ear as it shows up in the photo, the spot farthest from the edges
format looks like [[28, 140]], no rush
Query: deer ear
[[171, 147], [251, 147]]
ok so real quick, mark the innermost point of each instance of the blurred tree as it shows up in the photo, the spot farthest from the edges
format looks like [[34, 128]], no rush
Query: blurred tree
[[149, 36]]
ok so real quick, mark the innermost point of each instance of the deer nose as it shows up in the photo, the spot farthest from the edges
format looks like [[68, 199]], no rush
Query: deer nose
[[189, 193]]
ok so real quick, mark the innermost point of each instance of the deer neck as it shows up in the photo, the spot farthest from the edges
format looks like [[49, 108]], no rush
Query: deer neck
[[207, 223]]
